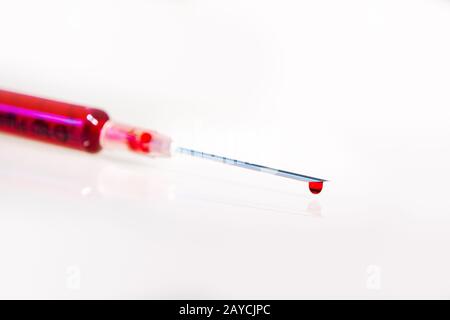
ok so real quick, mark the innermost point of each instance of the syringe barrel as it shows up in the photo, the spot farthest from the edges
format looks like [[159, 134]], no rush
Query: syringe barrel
[[75, 126], [51, 121]]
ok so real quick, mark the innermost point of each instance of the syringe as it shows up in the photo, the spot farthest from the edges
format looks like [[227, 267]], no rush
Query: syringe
[[91, 130]]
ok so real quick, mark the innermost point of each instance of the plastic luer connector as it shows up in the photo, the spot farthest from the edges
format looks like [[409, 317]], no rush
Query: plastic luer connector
[[56, 122], [138, 140]]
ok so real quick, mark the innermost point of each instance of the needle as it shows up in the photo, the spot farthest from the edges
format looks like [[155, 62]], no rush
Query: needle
[[315, 184]]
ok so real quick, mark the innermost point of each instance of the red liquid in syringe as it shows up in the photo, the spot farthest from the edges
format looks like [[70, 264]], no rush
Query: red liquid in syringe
[[73, 126], [51, 121]]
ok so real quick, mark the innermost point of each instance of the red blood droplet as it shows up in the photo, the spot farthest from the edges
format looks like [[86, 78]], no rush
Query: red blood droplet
[[133, 143], [316, 187], [145, 142]]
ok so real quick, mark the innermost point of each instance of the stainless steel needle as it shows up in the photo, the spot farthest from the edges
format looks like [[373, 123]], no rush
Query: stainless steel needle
[[248, 165]]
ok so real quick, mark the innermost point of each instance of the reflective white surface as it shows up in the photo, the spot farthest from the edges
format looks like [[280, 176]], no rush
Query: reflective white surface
[[356, 92]]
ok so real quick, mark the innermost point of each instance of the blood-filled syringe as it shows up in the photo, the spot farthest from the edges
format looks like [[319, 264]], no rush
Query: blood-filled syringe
[[91, 130]]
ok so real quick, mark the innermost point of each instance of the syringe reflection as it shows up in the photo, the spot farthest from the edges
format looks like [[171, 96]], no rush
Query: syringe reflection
[[149, 182]]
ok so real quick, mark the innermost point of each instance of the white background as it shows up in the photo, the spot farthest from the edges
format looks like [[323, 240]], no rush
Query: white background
[[356, 92]]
